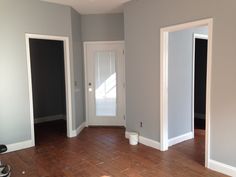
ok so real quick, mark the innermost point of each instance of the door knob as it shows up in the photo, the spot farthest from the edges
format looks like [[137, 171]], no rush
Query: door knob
[[90, 88]]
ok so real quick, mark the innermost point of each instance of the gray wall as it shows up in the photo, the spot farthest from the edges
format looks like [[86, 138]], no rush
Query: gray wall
[[103, 27], [180, 80], [18, 18], [143, 20], [78, 67]]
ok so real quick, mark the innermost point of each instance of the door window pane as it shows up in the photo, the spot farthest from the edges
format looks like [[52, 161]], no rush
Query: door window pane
[[105, 83]]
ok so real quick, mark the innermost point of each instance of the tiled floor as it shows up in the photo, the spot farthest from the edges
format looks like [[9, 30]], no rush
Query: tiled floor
[[103, 152]]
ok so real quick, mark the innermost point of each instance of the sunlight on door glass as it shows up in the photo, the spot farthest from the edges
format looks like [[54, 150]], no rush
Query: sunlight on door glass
[[105, 83]]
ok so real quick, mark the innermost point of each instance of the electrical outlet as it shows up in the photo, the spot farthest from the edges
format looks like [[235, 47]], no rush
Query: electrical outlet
[[141, 124]]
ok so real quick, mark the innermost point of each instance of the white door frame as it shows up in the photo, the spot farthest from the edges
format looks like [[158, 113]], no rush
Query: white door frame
[[164, 33], [85, 44], [195, 36], [68, 81]]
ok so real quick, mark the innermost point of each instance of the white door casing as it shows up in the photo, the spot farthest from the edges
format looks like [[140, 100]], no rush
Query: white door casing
[[68, 80], [164, 34]]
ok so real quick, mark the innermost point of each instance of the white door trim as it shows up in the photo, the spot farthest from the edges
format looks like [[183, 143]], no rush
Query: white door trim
[[85, 44], [68, 80], [164, 32], [200, 36], [195, 36]]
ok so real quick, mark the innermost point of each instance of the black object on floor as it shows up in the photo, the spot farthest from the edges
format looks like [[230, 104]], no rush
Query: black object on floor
[[5, 170], [3, 148]]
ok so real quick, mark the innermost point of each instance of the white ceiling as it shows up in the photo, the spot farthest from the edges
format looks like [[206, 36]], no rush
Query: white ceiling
[[93, 6]]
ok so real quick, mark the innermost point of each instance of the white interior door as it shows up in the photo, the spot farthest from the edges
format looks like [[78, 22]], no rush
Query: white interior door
[[105, 83]]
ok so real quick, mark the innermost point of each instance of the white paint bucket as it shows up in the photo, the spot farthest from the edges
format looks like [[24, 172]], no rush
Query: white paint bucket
[[133, 138]]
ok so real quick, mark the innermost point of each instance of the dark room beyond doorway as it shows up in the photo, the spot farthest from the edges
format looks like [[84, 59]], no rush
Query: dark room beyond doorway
[[200, 83], [48, 83]]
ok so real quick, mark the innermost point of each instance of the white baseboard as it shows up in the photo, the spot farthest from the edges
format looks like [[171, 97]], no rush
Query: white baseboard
[[149, 142], [78, 130], [49, 118], [146, 141], [181, 138], [28, 144], [127, 135], [222, 168], [20, 146], [199, 115]]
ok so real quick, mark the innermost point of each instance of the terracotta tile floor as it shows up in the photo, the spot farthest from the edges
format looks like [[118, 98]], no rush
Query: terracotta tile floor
[[104, 152]]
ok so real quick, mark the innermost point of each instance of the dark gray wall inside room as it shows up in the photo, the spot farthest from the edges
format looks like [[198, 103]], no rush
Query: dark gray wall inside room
[[48, 77], [200, 76]]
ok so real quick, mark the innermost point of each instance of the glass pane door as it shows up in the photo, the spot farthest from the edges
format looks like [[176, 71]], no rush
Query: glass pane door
[[105, 83]]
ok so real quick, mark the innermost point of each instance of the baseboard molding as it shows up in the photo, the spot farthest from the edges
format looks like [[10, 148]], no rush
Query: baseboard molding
[[149, 142], [20, 146], [222, 168], [28, 144], [49, 118], [78, 130], [127, 135], [181, 138], [199, 115], [146, 141]]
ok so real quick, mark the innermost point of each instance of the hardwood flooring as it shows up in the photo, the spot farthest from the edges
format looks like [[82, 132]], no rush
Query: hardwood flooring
[[102, 152], [193, 149]]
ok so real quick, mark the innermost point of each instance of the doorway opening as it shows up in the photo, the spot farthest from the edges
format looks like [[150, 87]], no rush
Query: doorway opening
[[178, 92], [49, 87], [187, 91], [200, 43]]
